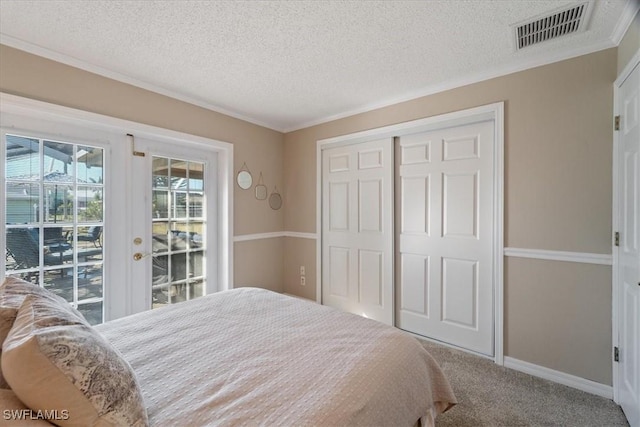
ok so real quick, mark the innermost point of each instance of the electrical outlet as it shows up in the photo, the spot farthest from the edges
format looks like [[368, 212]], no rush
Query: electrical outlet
[[303, 282], [302, 270]]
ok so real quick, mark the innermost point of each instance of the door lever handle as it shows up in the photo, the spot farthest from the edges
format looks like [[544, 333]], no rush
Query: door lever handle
[[138, 256]]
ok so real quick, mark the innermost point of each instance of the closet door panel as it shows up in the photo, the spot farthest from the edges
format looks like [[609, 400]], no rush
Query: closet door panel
[[357, 229], [445, 241]]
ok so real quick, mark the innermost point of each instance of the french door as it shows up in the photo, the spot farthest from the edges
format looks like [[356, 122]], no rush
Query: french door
[[112, 224], [53, 212], [173, 237]]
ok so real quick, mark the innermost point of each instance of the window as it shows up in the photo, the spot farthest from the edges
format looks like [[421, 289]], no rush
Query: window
[[54, 214]]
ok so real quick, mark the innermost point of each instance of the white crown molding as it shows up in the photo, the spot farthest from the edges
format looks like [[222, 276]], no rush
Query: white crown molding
[[563, 378], [628, 14], [631, 8], [522, 65], [123, 78], [579, 257]]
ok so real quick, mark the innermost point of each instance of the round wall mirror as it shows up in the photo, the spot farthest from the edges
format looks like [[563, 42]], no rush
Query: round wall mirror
[[275, 201], [245, 180]]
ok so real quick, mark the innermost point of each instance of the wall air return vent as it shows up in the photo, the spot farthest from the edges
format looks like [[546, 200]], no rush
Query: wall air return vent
[[550, 26]]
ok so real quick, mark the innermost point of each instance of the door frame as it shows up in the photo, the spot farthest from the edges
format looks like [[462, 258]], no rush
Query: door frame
[[120, 231], [493, 112], [617, 195]]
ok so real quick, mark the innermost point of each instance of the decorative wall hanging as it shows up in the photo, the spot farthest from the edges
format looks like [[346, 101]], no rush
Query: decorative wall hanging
[[275, 201], [261, 189], [244, 178]]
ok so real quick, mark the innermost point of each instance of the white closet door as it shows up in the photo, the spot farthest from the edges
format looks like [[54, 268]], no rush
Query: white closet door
[[445, 259], [357, 229]]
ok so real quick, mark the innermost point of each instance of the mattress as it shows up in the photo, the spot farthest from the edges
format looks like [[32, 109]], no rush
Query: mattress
[[254, 357]]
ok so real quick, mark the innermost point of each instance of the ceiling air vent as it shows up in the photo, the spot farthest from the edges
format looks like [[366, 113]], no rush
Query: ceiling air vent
[[551, 26]]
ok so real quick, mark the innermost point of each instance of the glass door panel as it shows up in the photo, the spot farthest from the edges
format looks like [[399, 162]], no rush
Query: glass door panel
[[54, 206], [178, 230]]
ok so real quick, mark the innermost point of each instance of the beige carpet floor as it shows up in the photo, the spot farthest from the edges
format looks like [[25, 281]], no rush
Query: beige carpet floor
[[492, 395]]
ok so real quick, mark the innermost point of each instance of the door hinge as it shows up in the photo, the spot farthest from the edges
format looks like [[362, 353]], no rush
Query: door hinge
[[616, 238], [616, 354], [616, 123]]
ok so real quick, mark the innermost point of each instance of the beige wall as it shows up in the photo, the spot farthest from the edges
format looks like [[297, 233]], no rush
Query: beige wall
[[558, 136], [629, 44], [300, 252], [259, 263], [35, 77], [559, 316], [557, 192]]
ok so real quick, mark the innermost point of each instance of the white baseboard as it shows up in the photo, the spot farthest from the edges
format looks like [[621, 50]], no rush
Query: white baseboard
[[560, 377]]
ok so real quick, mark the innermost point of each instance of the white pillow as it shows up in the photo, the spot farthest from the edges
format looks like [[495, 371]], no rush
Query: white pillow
[[13, 291], [54, 361]]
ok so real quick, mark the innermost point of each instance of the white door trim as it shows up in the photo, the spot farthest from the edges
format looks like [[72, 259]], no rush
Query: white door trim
[[494, 112], [634, 62], [12, 104]]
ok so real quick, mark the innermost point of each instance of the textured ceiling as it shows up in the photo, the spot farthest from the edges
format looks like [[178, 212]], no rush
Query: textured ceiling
[[289, 64]]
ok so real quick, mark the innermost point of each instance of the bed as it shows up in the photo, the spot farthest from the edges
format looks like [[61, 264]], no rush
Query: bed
[[254, 357]]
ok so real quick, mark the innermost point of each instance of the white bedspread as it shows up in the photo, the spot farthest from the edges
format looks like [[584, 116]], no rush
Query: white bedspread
[[254, 357]]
